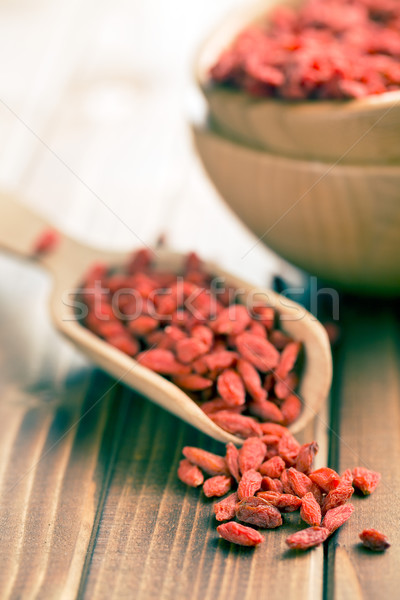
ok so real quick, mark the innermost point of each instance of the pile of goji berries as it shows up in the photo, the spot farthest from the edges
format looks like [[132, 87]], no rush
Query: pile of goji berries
[[272, 475], [325, 49], [232, 359]]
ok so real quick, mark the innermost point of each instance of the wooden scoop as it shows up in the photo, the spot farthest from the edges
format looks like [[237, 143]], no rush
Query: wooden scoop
[[68, 262]]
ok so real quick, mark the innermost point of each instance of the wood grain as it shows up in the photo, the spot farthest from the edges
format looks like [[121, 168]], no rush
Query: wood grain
[[366, 432]]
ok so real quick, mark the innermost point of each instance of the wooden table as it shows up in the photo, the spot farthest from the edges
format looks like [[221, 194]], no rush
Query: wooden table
[[90, 503]]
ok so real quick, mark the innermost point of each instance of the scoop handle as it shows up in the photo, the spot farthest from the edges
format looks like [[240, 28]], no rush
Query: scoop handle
[[20, 227]]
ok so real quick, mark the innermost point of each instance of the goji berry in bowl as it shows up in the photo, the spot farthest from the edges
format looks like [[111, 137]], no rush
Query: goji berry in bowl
[[339, 222], [312, 79]]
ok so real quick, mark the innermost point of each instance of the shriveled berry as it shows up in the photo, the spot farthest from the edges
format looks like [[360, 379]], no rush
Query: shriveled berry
[[232, 460], [284, 502], [210, 463], [190, 474], [249, 484], [288, 449], [274, 485], [257, 511], [251, 380], [273, 467], [251, 454], [291, 408], [266, 411], [305, 457], [259, 352], [307, 538], [237, 424], [219, 485], [374, 540], [226, 509], [192, 382], [310, 510], [327, 479], [365, 480], [230, 387], [335, 517], [337, 497], [300, 483], [240, 534]]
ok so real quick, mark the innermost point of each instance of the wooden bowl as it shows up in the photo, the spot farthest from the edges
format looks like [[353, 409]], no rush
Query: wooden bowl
[[353, 131], [341, 223]]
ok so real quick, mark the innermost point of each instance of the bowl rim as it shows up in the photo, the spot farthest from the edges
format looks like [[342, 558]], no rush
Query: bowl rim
[[222, 36], [374, 170]]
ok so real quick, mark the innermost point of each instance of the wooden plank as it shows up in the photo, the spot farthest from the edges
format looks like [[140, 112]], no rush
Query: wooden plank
[[366, 433], [59, 427]]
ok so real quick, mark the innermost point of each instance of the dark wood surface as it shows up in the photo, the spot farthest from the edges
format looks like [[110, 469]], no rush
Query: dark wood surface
[[90, 503]]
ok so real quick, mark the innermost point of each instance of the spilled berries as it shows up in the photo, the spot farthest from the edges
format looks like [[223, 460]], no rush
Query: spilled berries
[[264, 483]]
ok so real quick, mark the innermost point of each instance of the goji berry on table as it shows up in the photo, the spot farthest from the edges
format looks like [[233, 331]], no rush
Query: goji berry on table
[[240, 534], [365, 480], [374, 540], [226, 509], [310, 510], [257, 511], [219, 485], [335, 517], [190, 474], [307, 538]]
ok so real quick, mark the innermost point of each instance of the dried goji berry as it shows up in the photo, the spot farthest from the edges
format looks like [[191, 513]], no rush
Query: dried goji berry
[[257, 511], [162, 361], [190, 474], [288, 449], [192, 382], [306, 456], [310, 510], [217, 404], [251, 380], [237, 424], [337, 497], [291, 408], [231, 320], [124, 343], [327, 479], [365, 480], [266, 411], [347, 476], [226, 509], [259, 352], [230, 387], [284, 502], [188, 349], [273, 467], [232, 460], [47, 241], [223, 359], [307, 538], [251, 454], [285, 387], [210, 463], [335, 517], [287, 360], [249, 484], [240, 534], [374, 540], [270, 484], [300, 483], [219, 485]]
